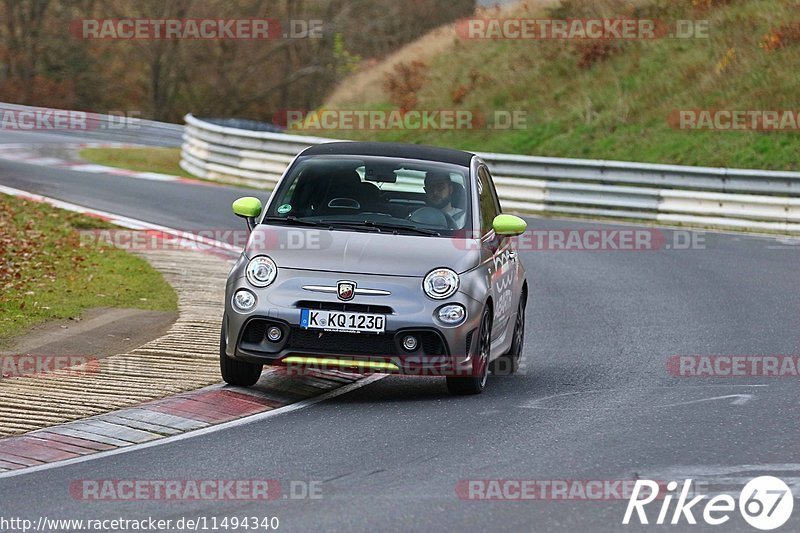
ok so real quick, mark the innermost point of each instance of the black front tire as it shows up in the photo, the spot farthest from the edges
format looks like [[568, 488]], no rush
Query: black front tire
[[236, 372], [480, 363]]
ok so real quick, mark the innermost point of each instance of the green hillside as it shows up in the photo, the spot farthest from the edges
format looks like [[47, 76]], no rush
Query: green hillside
[[610, 99]]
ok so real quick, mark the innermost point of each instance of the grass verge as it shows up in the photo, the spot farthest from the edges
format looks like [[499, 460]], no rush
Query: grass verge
[[47, 273], [161, 160]]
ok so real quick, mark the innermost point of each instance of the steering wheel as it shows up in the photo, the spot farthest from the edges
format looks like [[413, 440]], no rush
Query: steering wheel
[[430, 216]]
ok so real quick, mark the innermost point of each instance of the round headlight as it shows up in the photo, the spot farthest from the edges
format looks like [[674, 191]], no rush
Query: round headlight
[[440, 283], [452, 315], [261, 271], [244, 300]]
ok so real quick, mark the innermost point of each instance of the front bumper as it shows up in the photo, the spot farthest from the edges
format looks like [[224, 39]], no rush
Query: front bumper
[[442, 349]]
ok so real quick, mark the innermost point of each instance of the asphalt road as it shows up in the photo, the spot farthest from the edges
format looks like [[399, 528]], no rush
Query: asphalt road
[[594, 400]]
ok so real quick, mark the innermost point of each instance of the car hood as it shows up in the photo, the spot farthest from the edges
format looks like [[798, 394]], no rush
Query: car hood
[[361, 252]]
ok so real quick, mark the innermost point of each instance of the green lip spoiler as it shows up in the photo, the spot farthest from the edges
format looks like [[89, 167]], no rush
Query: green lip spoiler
[[320, 361]]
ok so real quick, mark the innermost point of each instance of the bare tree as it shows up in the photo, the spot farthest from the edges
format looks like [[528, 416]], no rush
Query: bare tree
[[42, 62]]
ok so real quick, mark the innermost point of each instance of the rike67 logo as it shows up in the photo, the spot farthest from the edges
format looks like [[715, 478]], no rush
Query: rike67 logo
[[765, 503]]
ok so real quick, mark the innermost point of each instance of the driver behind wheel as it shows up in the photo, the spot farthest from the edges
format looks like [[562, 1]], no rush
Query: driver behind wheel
[[439, 194]]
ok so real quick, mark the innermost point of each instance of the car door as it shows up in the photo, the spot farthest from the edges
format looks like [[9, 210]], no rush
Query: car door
[[502, 263]]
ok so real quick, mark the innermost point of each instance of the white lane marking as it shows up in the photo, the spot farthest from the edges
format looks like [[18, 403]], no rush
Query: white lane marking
[[90, 167], [204, 431], [740, 398], [102, 169], [120, 220], [45, 161], [713, 480], [31, 158], [722, 470], [157, 176], [17, 156]]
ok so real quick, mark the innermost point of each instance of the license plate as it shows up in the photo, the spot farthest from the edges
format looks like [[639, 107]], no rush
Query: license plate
[[342, 321]]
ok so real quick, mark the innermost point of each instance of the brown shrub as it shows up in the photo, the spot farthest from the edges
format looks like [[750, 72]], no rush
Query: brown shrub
[[404, 82], [781, 37], [593, 52], [459, 93], [705, 5]]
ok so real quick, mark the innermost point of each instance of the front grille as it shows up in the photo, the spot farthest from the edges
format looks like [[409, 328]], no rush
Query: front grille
[[341, 343], [297, 339], [342, 306]]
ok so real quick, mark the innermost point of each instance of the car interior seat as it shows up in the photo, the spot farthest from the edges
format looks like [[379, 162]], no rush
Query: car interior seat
[[458, 199], [343, 191]]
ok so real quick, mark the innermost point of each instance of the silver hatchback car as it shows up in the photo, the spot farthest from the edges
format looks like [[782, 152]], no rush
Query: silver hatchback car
[[377, 257]]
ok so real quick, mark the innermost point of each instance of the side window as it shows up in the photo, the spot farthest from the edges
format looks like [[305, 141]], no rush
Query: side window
[[489, 205]]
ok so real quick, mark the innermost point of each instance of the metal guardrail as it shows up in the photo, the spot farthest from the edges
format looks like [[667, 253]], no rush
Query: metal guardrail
[[89, 125], [758, 200]]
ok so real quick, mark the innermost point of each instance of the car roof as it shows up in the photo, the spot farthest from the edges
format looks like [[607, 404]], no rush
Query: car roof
[[399, 150]]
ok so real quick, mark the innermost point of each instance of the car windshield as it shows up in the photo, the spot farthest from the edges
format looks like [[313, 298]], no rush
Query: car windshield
[[374, 194]]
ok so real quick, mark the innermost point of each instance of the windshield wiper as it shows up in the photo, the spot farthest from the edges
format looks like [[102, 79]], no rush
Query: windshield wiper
[[298, 221], [329, 224], [358, 226], [401, 227], [364, 225]]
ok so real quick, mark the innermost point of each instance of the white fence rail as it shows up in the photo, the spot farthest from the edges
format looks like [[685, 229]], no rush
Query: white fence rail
[[695, 196]]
